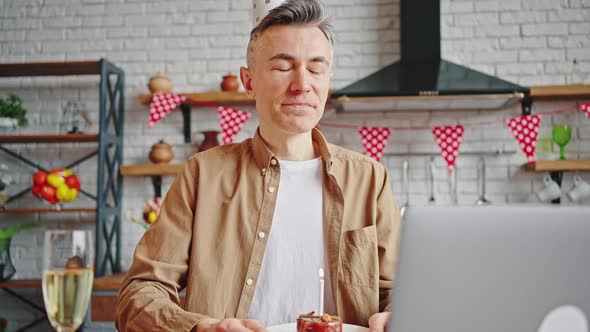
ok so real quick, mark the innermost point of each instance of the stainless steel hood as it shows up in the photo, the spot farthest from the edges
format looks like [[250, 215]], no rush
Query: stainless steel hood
[[421, 79]]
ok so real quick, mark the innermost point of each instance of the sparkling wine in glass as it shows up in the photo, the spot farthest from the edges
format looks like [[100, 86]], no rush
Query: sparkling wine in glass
[[562, 135], [68, 273]]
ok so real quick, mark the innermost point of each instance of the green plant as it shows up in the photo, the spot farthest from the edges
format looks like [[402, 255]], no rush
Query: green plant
[[7, 234], [12, 107]]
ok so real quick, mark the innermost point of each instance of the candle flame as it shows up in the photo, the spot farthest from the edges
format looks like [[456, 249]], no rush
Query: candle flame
[[321, 273]]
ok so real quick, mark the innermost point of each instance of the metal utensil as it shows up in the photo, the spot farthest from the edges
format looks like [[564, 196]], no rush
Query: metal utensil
[[481, 182], [405, 186], [430, 178]]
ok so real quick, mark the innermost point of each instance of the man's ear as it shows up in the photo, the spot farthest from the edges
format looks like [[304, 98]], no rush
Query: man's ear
[[246, 77]]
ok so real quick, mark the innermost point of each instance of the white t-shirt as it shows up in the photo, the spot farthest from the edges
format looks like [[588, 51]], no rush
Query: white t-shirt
[[288, 284]]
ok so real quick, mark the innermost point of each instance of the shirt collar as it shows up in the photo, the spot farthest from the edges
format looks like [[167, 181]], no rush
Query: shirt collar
[[263, 155]]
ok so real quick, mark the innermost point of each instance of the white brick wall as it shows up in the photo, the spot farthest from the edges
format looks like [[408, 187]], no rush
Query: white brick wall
[[197, 42]]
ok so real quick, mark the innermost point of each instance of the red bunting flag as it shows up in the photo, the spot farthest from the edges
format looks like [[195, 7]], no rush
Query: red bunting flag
[[449, 140], [526, 129], [162, 104], [231, 122], [586, 109], [374, 140]]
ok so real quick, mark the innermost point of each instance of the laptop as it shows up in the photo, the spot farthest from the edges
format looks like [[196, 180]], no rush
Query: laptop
[[493, 269]]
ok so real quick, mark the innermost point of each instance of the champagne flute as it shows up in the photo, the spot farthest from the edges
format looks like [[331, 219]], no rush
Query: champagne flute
[[68, 273], [561, 136]]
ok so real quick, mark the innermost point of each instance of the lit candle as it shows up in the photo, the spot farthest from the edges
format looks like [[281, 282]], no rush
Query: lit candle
[[321, 292]]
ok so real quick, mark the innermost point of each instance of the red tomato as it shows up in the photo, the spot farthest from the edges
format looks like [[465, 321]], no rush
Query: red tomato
[[36, 190], [73, 182], [48, 193], [39, 178]]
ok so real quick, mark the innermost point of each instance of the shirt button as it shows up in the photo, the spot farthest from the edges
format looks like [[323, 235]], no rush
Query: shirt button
[[249, 282], [261, 235], [271, 189], [273, 162]]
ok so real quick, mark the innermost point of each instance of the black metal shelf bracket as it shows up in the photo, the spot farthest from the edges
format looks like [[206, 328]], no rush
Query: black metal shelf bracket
[[186, 120], [527, 104], [557, 176], [157, 183]]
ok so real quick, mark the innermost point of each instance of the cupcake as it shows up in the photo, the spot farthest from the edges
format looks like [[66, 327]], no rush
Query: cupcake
[[314, 323]]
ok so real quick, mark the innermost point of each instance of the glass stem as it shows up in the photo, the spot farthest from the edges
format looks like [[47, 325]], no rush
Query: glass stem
[[562, 152]]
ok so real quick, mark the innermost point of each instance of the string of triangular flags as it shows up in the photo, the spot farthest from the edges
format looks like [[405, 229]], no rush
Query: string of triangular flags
[[525, 129], [231, 120]]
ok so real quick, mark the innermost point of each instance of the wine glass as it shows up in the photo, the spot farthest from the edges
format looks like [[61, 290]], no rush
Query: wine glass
[[562, 135], [68, 273]]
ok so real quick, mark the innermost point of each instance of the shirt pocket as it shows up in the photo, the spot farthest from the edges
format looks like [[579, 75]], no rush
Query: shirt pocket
[[360, 259]]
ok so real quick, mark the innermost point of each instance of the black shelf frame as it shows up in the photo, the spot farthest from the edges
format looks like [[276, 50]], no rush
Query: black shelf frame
[[110, 151]]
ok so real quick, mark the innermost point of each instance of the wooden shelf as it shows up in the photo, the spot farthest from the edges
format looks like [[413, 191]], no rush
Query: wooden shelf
[[24, 283], [151, 169], [216, 97], [560, 91], [559, 165], [65, 138], [222, 97], [50, 68], [110, 282], [44, 210]]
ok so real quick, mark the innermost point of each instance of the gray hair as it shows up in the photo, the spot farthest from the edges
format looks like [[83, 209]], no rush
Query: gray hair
[[300, 12]]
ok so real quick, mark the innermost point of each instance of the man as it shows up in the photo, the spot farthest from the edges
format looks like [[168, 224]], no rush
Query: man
[[328, 207]]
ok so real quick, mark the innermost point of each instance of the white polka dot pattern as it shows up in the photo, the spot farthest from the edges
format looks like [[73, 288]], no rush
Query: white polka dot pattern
[[586, 109], [374, 140], [162, 104], [261, 7], [526, 129], [449, 140], [231, 122]]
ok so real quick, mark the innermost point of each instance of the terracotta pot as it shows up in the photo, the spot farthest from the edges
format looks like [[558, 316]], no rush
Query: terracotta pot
[[230, 83], [210, 140], [161, 153], [160, 83]]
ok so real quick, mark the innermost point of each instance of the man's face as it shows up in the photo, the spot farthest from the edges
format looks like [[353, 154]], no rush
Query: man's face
[[290, 77]]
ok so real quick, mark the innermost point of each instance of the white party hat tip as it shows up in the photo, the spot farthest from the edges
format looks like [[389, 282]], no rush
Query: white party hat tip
[[260, 9]]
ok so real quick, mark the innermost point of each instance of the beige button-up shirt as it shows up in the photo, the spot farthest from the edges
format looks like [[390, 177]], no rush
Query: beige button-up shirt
[[209, 238]]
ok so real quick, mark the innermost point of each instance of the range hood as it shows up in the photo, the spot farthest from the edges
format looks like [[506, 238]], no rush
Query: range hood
[[421, 79]]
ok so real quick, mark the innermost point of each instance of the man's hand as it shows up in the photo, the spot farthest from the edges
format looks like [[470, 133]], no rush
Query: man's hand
[[228, 325], [378, 322]]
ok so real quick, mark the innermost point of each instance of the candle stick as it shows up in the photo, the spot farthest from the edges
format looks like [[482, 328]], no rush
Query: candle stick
[[321, 311]]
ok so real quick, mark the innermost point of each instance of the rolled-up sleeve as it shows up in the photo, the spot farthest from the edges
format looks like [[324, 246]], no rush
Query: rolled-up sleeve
[[148, 298]]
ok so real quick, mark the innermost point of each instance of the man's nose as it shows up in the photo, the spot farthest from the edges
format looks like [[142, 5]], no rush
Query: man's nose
[[300, 81]]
